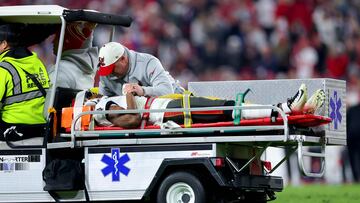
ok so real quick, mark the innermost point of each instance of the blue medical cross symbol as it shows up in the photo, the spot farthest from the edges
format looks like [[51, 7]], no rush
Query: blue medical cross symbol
[[335, 114], [115, 164]]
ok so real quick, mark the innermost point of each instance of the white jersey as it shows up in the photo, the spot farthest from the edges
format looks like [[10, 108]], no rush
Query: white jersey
[[158, 103]]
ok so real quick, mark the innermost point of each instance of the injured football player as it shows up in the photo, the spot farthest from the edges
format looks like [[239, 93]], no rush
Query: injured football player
[[298, 104]]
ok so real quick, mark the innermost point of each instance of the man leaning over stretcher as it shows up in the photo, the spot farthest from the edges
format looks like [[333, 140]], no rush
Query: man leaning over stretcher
[[297, 104]]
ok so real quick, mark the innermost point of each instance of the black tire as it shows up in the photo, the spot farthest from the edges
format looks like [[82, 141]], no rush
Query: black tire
[[182, 186]]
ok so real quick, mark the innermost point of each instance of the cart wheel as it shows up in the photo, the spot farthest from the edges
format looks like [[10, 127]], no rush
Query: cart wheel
[[181, 187]]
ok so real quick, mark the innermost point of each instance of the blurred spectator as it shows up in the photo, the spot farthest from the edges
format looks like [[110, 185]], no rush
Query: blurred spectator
[[304, 58], [266, 15], [267, 65], [353, 85], [324, 19], [353, 140], [322, 51], [337, 61], [281, 46]]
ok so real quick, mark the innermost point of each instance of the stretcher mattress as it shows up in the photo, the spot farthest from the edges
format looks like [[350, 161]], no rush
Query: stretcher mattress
[[295, 120]]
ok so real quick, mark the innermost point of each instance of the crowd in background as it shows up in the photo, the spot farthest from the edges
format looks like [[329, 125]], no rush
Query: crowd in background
[[238, 39]]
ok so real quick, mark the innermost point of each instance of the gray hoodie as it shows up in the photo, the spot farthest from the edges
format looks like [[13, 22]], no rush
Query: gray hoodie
[[77, 67], [145, 70]]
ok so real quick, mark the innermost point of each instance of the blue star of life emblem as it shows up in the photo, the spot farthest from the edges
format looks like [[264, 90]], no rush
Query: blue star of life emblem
[[8, 167], [115, 164], [335, 114]]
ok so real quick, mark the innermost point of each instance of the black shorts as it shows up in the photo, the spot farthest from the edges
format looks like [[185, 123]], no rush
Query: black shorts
[[200, 116]]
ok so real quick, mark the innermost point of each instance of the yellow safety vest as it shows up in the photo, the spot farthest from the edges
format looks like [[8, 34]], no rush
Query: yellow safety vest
[[21, 100]]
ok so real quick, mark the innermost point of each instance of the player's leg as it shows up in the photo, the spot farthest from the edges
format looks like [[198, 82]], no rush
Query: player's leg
[[201, 116], [294, 104], [315, 102]]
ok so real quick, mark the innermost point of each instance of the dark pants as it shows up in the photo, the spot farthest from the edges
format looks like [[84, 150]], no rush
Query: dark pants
[[353, 139], [354, 156], [201, 116], [28, 131]]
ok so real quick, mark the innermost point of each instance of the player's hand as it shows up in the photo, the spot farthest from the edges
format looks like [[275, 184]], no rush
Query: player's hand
[[133, 88], [138, 90], [126, 88], [92, 102]]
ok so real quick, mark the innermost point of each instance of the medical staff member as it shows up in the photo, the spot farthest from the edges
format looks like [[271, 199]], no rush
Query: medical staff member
[[122, 71], [22, 101], [79, 58]]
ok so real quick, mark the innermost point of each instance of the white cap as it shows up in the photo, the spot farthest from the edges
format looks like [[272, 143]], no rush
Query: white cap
[[109, 53]]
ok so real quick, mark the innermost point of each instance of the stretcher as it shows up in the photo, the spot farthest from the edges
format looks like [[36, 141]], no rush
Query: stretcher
[[302, 120], [287, 130], [299, 121], [215, 129]]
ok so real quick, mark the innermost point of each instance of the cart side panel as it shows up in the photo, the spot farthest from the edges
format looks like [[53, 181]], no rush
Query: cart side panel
[[336, 110], [21, 175], [125, 172]]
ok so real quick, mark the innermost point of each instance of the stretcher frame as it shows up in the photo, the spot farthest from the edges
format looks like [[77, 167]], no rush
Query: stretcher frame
[[268, 91], [91, 138]]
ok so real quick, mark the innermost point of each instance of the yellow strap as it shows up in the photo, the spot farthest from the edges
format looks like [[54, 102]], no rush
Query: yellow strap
[[186, 104], [54, 130], [172, 96], [180, 96], [94, 90]]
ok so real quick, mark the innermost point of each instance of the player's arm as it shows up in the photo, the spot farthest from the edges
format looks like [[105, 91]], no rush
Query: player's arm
[[125, 120]]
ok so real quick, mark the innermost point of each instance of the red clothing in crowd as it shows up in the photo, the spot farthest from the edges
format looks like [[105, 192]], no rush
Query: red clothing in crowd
[[299, 11], [336, 65]]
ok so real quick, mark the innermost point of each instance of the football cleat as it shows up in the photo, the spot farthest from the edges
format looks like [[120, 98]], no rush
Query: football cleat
[[315, 102], [297, 102]]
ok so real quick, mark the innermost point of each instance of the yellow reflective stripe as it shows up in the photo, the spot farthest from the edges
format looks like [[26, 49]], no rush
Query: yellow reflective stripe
[[15, 75], [23, 97], [186, 105]]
